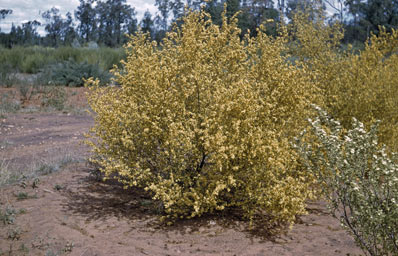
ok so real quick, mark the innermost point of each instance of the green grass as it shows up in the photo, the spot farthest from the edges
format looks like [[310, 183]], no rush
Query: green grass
[[34, 59]]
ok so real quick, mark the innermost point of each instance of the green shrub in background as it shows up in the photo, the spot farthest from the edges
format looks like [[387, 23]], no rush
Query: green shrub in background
[[359, 180], [12, 57], [33, 63], [71, 73]]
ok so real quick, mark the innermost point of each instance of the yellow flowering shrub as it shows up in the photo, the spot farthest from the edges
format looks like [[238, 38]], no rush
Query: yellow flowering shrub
[[360, 84], [203, 121]]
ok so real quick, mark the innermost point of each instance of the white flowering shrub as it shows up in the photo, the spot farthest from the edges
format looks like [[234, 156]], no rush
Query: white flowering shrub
[[358, 178]]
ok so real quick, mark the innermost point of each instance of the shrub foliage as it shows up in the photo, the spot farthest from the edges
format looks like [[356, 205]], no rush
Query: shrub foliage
[[359, 180], [360, 84], [203, 121], [71, 73]]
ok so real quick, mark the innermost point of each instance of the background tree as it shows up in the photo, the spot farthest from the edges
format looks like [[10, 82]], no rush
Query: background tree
[[339, 7], [86, 15], [233, 6], [162, 18], [147, 23], [114, 19], [255, 13], [315, 8], [4, 38], [131, 25], [215, 9], [4, 13], [29, 33], [369, 15], [16, 36], [59, 30], [178, 9], [70, 33]]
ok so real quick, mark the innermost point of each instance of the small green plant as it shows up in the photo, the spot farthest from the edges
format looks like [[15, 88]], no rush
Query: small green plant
[[8, 215], [23, 183], [359, 179], [58, 187], [23, 249], [22, 196], [25, 91], [68, 247], [46, 169], [14, 233], [55, 97], [35, 183]]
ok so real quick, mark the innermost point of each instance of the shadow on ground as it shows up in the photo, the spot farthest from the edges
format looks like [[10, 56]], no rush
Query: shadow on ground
[[98, 200]]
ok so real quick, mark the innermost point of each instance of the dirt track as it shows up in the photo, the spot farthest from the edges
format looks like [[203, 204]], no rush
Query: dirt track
[[70, 212]]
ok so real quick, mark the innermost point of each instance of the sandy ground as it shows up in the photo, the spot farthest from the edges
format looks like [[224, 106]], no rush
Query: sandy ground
[[69, 211]]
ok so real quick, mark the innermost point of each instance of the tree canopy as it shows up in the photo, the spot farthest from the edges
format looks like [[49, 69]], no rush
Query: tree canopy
[[107, 22]]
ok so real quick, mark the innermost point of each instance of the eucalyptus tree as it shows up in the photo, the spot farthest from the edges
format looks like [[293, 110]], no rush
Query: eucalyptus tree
[[59, 30], [147, 23], [369, 15], [29, 33], [4, 13], [114, 19], [86, 15]]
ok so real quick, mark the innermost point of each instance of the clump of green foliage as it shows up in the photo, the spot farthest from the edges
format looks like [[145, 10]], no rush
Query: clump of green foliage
[[359, 180], [8, 215], [71, 73], [203, 121], [54, 97]]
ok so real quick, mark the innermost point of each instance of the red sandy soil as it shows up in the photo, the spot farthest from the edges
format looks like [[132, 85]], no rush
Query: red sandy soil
[[71, 212]]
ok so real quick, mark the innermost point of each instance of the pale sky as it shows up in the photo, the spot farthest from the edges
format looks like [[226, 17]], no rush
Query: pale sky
[[28, 10]]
